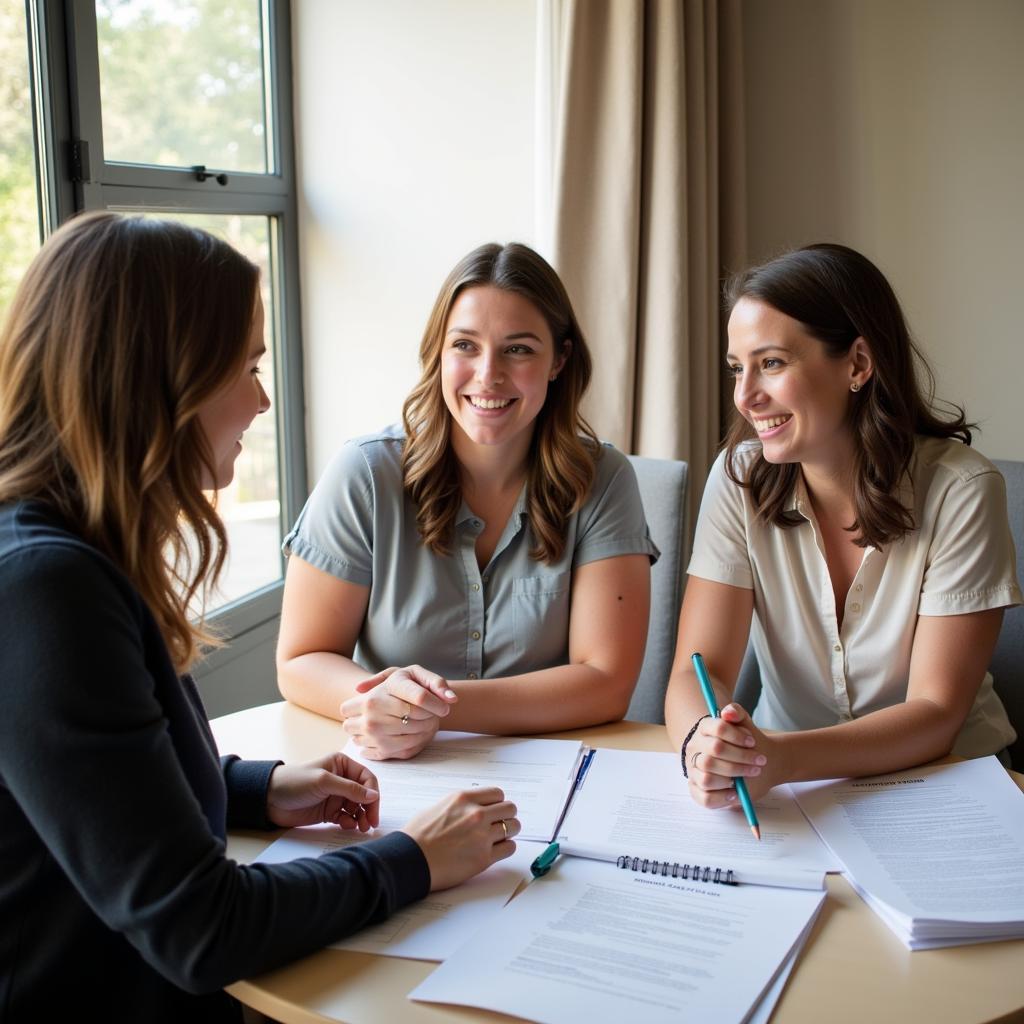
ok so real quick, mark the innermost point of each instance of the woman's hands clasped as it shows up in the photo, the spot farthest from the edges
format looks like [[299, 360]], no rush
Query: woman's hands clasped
[[724, 749], [397, 712]]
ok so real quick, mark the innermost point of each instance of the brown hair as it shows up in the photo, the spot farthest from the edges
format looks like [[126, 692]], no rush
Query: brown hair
[[561, 463], [838, 295], [121, 329]]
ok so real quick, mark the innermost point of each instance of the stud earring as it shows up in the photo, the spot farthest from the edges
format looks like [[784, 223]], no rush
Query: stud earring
[[553, 377], [855, 386]]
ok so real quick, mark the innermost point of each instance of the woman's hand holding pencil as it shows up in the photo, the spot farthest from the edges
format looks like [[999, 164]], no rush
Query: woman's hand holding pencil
[[726, 750]]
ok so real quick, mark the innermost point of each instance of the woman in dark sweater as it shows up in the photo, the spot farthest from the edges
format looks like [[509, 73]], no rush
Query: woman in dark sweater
[[128, 373]]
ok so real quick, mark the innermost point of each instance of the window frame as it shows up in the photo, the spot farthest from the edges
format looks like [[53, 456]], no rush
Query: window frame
[[65, 69]]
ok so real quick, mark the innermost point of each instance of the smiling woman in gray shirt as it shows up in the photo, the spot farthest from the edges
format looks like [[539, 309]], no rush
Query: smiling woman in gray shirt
[[489, 546]]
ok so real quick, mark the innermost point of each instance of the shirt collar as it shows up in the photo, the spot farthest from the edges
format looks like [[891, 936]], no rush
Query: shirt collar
[[466, 514], [799, 501]]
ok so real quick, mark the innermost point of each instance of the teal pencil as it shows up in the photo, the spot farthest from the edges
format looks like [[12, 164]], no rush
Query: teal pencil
[[712, 703]]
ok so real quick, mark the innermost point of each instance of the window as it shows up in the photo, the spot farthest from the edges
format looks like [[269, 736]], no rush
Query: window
[[173, 108], [20, 226]]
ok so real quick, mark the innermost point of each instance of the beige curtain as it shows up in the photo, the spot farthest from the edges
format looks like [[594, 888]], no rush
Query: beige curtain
[[647, 211]]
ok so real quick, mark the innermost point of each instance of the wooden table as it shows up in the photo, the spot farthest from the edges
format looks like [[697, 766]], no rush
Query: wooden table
[[853, 969]]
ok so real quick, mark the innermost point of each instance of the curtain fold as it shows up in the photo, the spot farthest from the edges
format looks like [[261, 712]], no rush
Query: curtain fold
[[647, 211]]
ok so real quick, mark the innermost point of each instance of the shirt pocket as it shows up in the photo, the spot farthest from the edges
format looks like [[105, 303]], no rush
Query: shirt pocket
[[541, 618]]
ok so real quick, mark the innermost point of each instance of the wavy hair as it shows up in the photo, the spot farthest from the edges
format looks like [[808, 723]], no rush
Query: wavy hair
[[563, 449], [838, 295], [121, 329]]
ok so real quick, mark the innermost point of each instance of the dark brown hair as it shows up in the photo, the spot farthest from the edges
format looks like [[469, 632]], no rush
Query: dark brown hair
[[838, 295], [561, 462], [121, 329]]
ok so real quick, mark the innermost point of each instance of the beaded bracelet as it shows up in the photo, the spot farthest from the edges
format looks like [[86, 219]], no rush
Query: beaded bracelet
[[689, 736]]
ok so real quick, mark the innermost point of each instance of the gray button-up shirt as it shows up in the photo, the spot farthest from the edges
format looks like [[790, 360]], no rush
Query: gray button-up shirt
[[444, 612]]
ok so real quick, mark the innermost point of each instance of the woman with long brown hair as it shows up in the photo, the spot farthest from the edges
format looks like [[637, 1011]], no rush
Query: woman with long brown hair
[[849, 523], [486, 564], [128, 373]]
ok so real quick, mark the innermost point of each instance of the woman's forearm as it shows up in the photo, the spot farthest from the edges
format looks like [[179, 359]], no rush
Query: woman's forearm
[[549, 700], [888, 740], [320, 681]]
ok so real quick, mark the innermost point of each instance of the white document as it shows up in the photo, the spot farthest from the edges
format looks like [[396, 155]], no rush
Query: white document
[[937, 852], [590, 943], [636, 804], [432, 928], [537, 775]]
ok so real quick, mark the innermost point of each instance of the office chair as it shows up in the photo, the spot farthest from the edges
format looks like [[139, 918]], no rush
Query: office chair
[[663, 491], [1007, 665]]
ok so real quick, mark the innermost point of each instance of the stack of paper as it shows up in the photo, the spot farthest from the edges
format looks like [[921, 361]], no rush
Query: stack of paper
[[937, 853], [590, 943], [590, 938]]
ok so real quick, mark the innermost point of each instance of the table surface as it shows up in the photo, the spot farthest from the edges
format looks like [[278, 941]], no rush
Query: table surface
[[851, 970]]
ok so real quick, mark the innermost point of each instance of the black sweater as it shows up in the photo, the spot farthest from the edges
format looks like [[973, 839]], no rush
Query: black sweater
[[116, 897]]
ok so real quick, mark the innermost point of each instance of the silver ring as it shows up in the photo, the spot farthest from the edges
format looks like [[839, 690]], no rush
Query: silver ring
[[405, 719], [693, 760], [504, 828]]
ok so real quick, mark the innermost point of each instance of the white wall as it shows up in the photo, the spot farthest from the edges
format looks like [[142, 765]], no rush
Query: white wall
[[897, 127], [415, 143]]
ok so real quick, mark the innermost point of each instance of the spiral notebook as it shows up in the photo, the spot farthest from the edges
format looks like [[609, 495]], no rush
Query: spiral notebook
[[632, 809]]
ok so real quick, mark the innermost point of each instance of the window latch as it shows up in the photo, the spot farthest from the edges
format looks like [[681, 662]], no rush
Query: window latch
[[201, 173]]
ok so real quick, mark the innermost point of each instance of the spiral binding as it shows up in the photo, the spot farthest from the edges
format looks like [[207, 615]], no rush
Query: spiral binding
[[696, 872]]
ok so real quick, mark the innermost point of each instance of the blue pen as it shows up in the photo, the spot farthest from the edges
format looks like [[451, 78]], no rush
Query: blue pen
[[709, 699], [542, 864]]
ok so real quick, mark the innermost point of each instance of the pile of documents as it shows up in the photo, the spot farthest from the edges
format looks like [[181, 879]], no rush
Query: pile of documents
[[937, 853], [630, 922], [604, 931]]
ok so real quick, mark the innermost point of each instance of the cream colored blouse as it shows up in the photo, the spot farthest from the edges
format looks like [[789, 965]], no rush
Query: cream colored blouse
[[958, 559]]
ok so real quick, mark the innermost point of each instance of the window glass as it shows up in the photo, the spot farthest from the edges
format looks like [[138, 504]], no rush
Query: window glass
[[19, 200], [182, 83], [250, 506]]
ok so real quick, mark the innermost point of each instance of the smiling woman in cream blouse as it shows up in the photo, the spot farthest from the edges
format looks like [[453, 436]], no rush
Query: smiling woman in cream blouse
[[858, 534], [489, 546]]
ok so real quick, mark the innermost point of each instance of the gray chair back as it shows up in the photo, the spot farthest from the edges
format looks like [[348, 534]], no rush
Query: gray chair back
[[1008, 661], [748, 683], [663, 491]]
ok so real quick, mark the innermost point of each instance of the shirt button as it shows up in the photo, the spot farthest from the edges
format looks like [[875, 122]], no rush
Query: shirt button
[[475, 634], [485, 578], [471, 675], [838, 647], [476, 522], [859, 587], [854, 607], [476, 586]]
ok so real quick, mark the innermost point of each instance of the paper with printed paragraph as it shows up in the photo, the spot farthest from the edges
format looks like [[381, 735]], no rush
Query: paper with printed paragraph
[[937, 852], [590, 942]]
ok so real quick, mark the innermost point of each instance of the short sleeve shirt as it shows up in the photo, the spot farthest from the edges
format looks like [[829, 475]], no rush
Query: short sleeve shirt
[[959, 558], [443, 611]]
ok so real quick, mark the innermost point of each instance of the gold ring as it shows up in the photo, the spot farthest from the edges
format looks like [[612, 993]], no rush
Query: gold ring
[[504, 828]]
